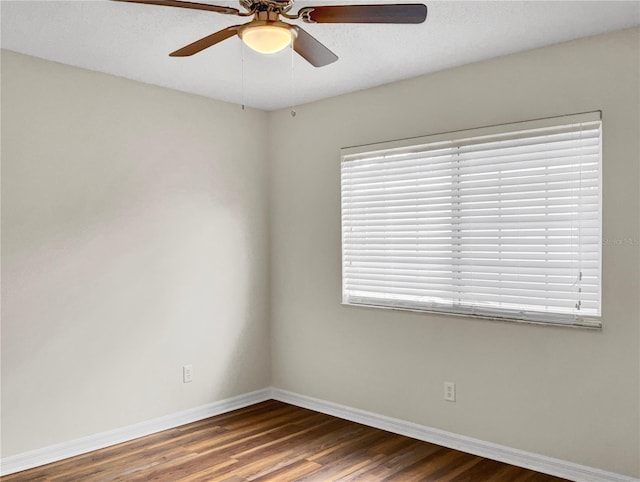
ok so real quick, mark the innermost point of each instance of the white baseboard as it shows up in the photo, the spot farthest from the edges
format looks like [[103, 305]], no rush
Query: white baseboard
[[520, 458], [540, 463], [54, 453]]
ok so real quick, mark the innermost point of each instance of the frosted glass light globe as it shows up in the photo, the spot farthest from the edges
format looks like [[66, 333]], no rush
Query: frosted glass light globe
[[266, 39]]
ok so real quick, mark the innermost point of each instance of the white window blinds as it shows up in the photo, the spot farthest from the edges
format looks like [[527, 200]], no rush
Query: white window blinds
[[501, 222]]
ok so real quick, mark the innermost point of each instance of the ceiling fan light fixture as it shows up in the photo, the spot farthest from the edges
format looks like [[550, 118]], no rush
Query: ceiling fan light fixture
[[266, 37]]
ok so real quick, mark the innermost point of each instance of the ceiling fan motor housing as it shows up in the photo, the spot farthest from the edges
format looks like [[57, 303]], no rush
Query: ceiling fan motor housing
[[267, 5]]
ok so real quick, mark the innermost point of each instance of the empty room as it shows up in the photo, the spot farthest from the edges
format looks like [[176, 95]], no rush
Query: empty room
[[297, 240]]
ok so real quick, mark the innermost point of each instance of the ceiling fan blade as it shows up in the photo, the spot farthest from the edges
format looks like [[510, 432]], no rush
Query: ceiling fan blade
[[311, 50], [181, 4], [206, 42], [399, 13]]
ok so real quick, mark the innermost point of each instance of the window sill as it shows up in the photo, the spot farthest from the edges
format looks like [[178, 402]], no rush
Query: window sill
[[593, 324]]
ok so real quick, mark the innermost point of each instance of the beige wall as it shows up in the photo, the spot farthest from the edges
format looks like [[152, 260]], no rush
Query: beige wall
[[566, 393], [134, 240]]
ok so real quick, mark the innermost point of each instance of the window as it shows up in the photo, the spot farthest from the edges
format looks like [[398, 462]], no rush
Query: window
[[501, 222]]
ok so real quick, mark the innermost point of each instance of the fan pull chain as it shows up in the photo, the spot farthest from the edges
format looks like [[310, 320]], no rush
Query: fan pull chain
[[293, 104], [242, 71]]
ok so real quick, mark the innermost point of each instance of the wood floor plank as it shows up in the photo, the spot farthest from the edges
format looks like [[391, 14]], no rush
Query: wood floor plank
[[288, 439], [397, 460], [346, 448], [276, 442], [430, 463], [294, 471]]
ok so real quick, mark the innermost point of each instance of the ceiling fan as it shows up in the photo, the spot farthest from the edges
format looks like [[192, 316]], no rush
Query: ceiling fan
[[266, 33]]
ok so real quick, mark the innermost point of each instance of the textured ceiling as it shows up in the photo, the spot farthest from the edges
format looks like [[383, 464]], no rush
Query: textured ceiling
[[133, 41]]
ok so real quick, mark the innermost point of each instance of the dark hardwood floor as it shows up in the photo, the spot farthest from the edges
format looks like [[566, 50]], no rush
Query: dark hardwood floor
[[273, 441]]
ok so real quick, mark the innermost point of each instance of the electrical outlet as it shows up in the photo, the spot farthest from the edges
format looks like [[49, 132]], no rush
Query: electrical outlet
[[450, 391], [187, 373]]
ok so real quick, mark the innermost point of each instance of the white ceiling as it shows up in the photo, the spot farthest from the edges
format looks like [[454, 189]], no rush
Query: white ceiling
[[133, 41]]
